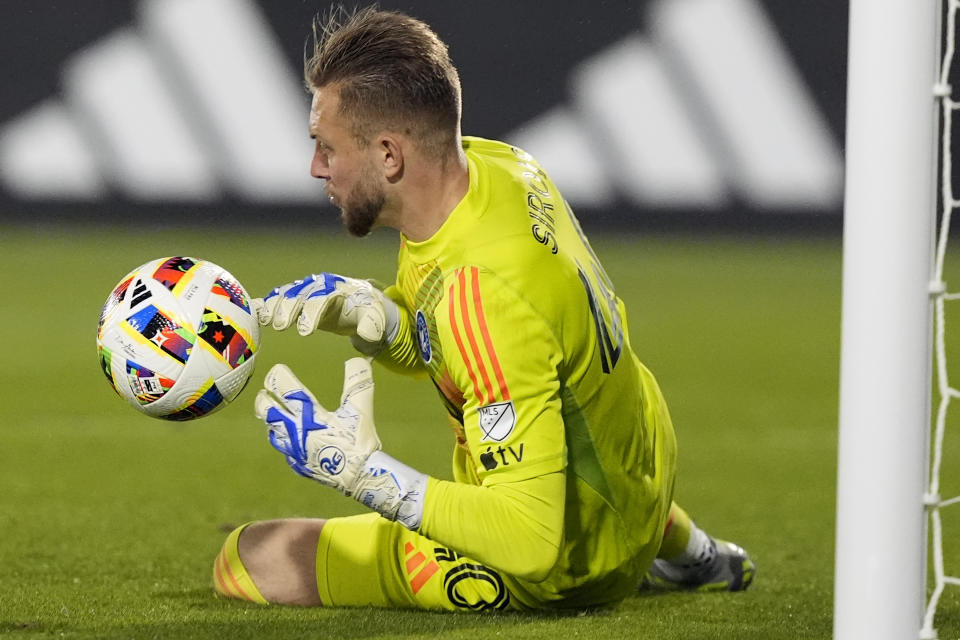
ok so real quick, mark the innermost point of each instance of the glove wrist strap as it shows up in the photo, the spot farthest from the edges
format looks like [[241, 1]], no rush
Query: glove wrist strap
[[392, 317], [392, 489]]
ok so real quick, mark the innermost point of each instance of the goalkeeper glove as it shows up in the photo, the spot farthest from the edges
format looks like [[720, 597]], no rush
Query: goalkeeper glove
[[326, 301], [340, 449]]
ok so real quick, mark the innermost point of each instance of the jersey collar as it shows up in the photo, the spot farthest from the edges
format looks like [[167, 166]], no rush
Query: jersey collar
[[473, 205]]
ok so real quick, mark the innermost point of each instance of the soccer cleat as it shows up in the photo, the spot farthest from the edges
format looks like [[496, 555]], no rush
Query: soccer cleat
[[728, 569]]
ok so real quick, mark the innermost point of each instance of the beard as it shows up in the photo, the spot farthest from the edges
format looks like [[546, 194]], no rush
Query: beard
[[362, 206]]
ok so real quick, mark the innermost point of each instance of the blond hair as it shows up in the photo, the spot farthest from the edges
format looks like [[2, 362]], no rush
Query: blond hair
[[392, 72]]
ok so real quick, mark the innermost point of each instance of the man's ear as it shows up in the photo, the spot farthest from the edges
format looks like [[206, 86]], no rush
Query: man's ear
[[391, 157]]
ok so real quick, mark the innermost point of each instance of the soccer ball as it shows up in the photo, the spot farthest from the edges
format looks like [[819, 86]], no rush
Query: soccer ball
[[177, 338]]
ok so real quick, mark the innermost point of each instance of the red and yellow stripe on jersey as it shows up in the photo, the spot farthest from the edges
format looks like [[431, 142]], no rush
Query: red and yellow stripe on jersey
[[472, 336]]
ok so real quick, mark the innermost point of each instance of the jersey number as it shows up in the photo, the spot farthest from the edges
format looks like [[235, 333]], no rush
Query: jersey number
[[609, 335]]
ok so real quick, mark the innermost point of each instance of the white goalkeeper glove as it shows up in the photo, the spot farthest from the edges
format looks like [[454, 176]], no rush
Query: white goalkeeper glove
[[326, 301], [340, 449]]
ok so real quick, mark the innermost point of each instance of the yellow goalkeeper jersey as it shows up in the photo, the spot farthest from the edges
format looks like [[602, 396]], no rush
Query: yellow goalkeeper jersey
[[516, 322]]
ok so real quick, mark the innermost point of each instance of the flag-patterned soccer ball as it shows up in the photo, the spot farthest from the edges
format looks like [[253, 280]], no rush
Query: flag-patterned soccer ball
[[177, 338]]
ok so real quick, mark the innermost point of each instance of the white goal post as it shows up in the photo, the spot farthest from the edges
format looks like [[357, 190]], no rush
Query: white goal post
[[885, 381]]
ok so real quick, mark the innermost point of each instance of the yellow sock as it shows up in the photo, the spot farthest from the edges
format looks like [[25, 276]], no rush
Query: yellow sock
[[676, 534], [230, 577]]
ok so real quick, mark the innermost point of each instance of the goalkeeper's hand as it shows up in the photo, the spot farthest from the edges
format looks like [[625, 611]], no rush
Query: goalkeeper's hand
[[340, 449], [330, 447], [326, 301]]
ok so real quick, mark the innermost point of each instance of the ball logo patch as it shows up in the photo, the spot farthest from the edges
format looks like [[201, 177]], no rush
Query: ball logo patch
[[497, 420], [423, 337]]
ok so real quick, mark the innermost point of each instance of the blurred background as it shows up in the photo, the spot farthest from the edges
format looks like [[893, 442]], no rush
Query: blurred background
[[699, 141], [716, 114]]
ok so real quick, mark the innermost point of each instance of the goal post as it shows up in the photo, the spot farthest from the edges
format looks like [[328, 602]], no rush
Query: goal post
[[889, 219]]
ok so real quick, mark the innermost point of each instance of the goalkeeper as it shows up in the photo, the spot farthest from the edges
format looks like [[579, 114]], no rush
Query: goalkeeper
[[564, 454]]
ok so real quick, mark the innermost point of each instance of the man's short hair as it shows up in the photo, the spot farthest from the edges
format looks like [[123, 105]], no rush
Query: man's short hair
[[393, 72]]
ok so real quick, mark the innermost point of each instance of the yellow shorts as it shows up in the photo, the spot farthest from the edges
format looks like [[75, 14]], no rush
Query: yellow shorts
[[367, 560]]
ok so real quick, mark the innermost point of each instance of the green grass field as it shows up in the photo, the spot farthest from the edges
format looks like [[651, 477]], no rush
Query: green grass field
[[109, 521]]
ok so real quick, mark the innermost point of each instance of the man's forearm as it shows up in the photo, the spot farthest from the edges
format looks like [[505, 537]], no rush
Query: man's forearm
[[402, 355], [514, 527]]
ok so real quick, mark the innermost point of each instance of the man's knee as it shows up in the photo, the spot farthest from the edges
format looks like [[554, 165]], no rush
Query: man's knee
[[273, 561]]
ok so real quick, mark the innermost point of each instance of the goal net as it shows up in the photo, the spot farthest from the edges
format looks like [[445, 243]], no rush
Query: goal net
[[945, 391]]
